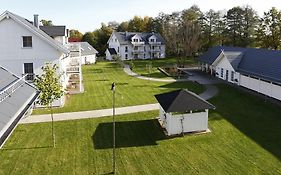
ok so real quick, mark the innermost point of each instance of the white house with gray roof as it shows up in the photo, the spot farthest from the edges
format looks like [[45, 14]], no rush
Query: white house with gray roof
[[88, 53], [255, 69], [25, 48], [134, 45]]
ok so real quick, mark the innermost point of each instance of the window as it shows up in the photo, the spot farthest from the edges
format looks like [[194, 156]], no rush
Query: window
[[115, 40], [232, 75], [28, 69], [126, 48], [153, 47], [135, 40], [226, 75], [118, 49], [221, 72], [27, 41], [152, 40], [126, 56]]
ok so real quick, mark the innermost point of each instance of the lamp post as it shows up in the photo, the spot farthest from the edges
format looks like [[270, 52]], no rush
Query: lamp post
[[113, 123]]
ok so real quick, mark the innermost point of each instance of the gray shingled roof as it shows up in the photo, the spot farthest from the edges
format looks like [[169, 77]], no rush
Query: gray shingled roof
[[260, 63], [182, 101], [126, 37], [86, 48], [53, 31], [14, 106]]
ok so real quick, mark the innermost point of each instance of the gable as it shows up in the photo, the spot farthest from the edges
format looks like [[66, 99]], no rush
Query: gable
[[223, 62], [11, 34], [27, 25]]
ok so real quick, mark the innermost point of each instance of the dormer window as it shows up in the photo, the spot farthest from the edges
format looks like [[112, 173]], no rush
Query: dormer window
[[152, 40], [136, 40], [27, 41]]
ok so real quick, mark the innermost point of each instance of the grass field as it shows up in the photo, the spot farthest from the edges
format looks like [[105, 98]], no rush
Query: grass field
[[245, 139], [142, 66], [129, 90]]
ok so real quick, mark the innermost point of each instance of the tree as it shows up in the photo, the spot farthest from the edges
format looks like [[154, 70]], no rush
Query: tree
[[51, 89], [123, 27], [46, 22], [269, 30], [89, 37], [136, 24], [75, 34]]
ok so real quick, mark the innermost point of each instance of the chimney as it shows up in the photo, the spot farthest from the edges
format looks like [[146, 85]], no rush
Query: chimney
[[36, 22]]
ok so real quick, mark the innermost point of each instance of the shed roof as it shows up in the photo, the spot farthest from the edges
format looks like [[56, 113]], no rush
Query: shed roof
[[13, 106], [86, 48], [182, 101]]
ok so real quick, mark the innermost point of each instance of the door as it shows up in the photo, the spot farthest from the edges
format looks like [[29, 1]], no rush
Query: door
[[28, 69]]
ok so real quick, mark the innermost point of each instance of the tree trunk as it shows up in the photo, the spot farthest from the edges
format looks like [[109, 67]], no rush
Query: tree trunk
[[53, 133]]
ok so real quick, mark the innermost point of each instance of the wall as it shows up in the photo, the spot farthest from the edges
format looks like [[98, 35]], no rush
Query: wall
[[191, 122], [13, 55], [260, 86]]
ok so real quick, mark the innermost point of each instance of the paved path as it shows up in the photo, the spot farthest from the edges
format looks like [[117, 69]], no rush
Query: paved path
[[208, 82], [89, 114], [131, 73]]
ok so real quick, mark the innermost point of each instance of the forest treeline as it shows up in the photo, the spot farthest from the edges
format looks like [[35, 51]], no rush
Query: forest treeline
[[191, 31]]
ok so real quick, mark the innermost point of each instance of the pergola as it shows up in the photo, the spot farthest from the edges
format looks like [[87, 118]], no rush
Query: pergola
[[182, 111]]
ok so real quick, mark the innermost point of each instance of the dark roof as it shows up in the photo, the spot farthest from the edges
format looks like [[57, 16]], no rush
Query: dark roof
[[112, 51], [260, 63], [182, 101], [54, 30], [13, 106], [126, 37]]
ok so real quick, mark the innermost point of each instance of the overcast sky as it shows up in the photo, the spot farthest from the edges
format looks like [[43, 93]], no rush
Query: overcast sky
[[87, 15]]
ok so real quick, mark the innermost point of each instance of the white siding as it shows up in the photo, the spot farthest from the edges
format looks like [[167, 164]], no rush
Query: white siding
[[191, 122], [13, 55], [260, 86]]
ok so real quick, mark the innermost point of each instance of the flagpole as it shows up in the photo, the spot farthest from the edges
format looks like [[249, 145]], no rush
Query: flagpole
[[113, 128]]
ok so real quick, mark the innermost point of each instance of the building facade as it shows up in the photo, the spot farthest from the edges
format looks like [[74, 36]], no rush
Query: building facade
[[134, 45], [255, 69], [25, 48]]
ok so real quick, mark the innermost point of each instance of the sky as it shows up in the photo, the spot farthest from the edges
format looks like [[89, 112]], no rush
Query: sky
[[87, 15]]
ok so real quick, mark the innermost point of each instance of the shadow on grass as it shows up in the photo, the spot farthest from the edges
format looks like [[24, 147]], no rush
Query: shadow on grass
[[257, 119], [128, 134], [154, 75]]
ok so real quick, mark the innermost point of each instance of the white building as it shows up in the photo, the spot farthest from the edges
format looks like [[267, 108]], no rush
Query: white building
[[182, 111], [88, 53], [133, 45], [255, 69], [25, 48]]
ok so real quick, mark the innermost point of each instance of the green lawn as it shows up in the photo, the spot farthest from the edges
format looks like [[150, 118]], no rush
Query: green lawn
[[130, 90], [142, 66], [245, 139]]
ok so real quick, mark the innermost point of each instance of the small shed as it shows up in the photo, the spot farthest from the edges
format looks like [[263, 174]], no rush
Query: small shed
[[182, 111]]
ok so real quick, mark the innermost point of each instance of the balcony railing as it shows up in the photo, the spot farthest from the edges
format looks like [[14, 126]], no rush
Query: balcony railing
[[155, 50], [138, 43], [138, 51], [11, 88], [73, 69], [155, 43], [29, 77]]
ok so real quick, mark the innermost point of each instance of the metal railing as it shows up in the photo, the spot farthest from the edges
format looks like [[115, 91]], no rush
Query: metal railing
[[7, 92]]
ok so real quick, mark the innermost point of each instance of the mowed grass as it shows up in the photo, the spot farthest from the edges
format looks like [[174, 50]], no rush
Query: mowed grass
[[245, 139], [142, 66], [129, 90]]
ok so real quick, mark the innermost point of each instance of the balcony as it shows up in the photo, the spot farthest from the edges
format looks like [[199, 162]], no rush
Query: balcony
[[138, 43], [73, 69], [155, 43], [138, 51], [29, 77]]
